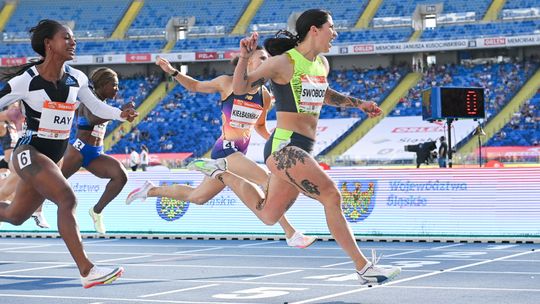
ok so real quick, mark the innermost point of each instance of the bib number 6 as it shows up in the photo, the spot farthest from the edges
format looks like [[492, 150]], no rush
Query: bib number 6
[[24, 159]]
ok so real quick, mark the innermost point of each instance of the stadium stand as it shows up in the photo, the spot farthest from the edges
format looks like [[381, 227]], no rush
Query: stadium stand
[[89, 18], [523, 129], [502, 81]]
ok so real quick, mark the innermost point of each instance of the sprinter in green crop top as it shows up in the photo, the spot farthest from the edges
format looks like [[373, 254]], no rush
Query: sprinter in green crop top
[[298, 73]]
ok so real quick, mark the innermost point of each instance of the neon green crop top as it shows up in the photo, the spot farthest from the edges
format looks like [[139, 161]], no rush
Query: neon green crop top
[[307, 88]]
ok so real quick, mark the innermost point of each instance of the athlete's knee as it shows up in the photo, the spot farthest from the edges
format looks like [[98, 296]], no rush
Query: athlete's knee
[[17, 219], [120, 177], [67, 199], [269, 220], [331, 197], [267, 216]]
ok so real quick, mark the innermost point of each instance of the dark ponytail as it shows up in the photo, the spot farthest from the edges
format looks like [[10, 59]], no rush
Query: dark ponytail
[[45, 29], [285, 40], [282, 42]]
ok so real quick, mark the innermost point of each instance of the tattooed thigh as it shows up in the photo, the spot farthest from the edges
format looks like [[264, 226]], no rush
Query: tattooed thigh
[[308, 188]]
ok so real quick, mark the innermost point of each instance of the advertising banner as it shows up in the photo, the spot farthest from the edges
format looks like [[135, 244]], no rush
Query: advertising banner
[[351, 49], [501, 202], [138, 58], [387, 139], [9, 61]]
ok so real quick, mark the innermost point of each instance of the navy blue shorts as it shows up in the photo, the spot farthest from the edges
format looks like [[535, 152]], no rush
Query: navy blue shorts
[[89, 152]]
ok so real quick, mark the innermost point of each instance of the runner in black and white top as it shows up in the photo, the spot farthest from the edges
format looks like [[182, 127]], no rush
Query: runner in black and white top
[[49, 90]]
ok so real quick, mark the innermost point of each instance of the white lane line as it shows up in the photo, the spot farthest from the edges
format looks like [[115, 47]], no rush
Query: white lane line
[[446, 246], [337, 264], [198, 250], [153, 265], [201, 281], [384, 256], [365, 288], [24, 247], [126, 258], [260, 243], [220, 254], [167, 259], [35, 268], [469, 288], [499, 247], [187, 252], [142, 245], [114, 300], [271, 275], [100, 241], [178, 290]]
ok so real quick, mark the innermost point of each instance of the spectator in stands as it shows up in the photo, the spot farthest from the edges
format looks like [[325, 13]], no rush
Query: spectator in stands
[[241, 114], [135, 134], [134, 159], [86, 150], [144, 157], [298, 74], [42, 146]]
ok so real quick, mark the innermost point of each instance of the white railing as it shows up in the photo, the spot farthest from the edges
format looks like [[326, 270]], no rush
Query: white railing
[[146, 33], [392, 21], [457, 17], [216, 30], [521, 13]]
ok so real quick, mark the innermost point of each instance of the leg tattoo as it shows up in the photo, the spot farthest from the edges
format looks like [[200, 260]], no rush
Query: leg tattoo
[[287, 158], [308, 188]]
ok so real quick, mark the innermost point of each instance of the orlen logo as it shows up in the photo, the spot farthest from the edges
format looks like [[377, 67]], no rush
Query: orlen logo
[[138, 57], [13, 61], [231, 54], [363, 48], [358, 199], [495, 41]]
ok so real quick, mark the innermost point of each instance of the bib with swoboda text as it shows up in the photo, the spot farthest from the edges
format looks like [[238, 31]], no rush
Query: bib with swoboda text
[[313, 92]]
